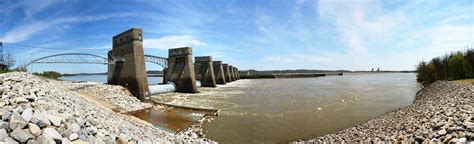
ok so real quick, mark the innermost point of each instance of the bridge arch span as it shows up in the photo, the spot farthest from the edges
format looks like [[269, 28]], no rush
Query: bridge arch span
[[86, 58]]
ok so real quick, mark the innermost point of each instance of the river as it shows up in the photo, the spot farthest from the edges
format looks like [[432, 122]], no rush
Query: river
[[283, 110]]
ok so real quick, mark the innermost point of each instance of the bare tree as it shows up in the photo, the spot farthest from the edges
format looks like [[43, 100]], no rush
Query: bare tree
[[9, 60]]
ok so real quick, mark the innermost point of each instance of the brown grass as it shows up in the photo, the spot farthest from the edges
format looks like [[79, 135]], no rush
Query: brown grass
[[471, 81]]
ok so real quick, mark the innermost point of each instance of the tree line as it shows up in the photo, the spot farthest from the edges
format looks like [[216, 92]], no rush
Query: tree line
[[453, 66]]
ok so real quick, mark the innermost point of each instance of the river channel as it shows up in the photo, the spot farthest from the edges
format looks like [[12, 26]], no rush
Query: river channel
[[283, 110]]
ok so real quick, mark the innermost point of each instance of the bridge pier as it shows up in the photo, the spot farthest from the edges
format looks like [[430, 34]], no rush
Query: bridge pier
[[180, 70], [128, 69], [204, 71], [238, 73], [231, 69], [235, 73], [218, 72], [226, 73]]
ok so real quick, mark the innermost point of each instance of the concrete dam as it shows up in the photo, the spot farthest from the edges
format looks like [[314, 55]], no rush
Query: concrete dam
[[126, 67]]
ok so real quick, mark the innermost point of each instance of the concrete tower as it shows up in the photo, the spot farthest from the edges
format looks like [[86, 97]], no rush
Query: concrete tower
[[218, 72], [180, 70], [204, 71], [128, 67], [226, 72]]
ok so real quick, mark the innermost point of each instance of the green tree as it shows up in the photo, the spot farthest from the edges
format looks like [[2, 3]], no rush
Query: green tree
[[469, 57], [459, 68], [426, 73], [49, 74], [440, 66]]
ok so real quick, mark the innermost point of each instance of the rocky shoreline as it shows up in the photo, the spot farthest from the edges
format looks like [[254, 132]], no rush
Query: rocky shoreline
[[441, 112], [35, 110]]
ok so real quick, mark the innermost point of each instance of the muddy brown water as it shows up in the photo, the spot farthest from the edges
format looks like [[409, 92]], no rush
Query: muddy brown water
[[284, 110], [171, 119]]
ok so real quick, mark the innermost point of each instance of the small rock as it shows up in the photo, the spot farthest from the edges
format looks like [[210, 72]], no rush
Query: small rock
[[73, 137], [3, 134], [93, 122], [19, 100], [74, 127], [441, 132], [79, 142], [56, 121], [52, 133], [43, 139], [4, 125], [91, 130], [6, 116], [194, 135], [34, 129], [41, 93], [16, 121], [40, 119], [122, 140], [27, 114], [65, 141], [21, 135], [31, 97], [9, 140]]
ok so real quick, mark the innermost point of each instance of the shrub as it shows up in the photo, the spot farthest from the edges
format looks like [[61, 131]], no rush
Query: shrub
[[459, 68], [457, 65]]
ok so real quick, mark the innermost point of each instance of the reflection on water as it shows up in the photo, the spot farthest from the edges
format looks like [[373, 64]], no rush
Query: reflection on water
[[282, 110], [173, 119]]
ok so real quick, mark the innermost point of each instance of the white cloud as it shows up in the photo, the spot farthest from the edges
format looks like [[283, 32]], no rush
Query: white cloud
[[173, 41], [455, 18], [25, 31], [32, 7], [263, 29], [356, 29]]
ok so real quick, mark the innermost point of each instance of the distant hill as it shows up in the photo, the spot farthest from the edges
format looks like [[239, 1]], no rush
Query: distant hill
[[76, 74], [251, 72]]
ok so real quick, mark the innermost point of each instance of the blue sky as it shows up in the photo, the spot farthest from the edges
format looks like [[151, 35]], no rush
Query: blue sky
[[250, 34]]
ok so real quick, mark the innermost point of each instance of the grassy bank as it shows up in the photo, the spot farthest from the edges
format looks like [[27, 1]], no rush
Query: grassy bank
[[471, 81], [5, 71]]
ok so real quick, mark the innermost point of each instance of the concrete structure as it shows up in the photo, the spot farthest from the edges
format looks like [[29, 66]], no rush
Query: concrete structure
[[232, 74], [218, 72], [204, 71], [231, 71], [128, 69], [180, 70], [236, 73], [226, 72]]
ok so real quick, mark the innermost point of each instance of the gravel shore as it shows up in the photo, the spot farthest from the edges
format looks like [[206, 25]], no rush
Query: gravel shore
[[441, 112], [112, 94], [35, 110]]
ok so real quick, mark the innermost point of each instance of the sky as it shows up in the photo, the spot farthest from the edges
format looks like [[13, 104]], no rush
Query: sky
[[249, 34]]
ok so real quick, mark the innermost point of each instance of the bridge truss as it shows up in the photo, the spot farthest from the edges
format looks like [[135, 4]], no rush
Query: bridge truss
[[163, 62], [85, 58]]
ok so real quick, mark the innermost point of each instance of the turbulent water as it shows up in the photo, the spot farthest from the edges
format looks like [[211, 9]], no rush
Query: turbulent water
[[283, 110]]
